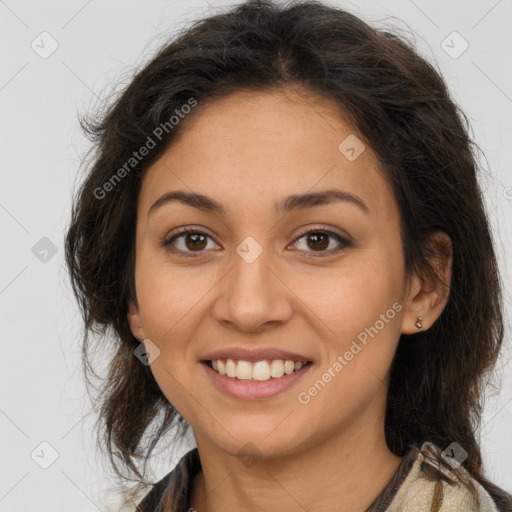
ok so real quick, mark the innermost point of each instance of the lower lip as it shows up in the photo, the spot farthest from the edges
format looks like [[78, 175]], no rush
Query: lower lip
[[253, 389]]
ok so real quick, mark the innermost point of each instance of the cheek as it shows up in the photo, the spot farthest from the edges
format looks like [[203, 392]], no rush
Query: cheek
[[171, 303], [352, 298], [166, 314], [362, 312], [353, 374], [168, 297]]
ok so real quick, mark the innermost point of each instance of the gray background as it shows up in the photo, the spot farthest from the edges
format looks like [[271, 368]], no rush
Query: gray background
[[42, 394]]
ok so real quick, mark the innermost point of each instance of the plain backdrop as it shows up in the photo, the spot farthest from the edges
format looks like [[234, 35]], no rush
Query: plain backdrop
[[57, 58]]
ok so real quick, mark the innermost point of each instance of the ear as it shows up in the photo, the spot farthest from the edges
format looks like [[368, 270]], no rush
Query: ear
[[135, 322], [427, 297]]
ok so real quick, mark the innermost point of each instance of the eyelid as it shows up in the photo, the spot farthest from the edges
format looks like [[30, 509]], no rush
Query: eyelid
[[322, 227], [167, 241]]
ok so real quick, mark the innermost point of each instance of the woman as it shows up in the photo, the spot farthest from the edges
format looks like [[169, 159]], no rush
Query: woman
[[283, 229]]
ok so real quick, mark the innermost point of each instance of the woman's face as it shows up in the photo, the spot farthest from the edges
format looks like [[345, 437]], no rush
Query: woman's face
[[248, 283]]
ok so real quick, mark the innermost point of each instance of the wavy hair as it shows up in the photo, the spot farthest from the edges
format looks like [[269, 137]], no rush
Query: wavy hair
[[403, 111]]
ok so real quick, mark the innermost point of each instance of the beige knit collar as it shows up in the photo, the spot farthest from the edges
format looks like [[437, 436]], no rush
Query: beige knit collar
[[432, 487]]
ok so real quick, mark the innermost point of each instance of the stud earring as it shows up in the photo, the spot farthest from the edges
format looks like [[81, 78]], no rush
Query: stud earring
[[419, 325]]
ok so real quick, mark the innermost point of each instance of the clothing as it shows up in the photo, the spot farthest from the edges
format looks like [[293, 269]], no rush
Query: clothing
[[418, 485]]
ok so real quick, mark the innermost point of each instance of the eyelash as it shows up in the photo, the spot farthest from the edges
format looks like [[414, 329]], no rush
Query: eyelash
[[167, 242]]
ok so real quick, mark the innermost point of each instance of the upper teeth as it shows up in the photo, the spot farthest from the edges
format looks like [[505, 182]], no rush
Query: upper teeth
[[260, 370]]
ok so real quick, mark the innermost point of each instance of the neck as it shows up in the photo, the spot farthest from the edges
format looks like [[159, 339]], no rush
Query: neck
[[348, 468]]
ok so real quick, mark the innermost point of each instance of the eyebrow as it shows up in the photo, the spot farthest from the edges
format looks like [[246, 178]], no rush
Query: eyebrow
[[294, 202]]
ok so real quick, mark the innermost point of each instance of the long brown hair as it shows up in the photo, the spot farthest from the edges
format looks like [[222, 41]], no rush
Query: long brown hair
[[402, 109]]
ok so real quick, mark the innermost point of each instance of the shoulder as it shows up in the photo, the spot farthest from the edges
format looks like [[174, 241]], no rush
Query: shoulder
[[430, 486], [152, 502], [501, 498], [173, 487]]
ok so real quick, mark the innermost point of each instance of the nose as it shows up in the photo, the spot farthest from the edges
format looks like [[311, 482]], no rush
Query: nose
[[253, 296]]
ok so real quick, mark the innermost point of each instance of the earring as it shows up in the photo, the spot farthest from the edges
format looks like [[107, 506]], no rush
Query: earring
[[418, 323]]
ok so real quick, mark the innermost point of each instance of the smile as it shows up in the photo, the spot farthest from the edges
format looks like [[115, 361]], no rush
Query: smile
[[259, 370], [257, 380]]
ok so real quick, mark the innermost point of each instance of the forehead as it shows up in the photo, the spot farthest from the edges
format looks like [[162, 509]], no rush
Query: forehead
[[253, 147]]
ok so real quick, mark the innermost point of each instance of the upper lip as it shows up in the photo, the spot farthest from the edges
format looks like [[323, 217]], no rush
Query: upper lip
[[253, 355]]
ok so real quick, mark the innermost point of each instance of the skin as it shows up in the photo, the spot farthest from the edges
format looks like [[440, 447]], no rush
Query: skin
[[247, 151]]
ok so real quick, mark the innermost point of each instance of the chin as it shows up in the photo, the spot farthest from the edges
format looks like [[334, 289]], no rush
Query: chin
[[264, 442]]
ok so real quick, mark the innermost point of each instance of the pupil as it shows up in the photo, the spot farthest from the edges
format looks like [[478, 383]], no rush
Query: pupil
[[195, 238], [316, 236]]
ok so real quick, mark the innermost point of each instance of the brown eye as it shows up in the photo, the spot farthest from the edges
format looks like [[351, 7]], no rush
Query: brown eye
[[187, 241], [195, 241], [319, 240]]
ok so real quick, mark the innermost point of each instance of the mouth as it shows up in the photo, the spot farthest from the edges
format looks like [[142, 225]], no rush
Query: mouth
[[259, 379], [259, 371]]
